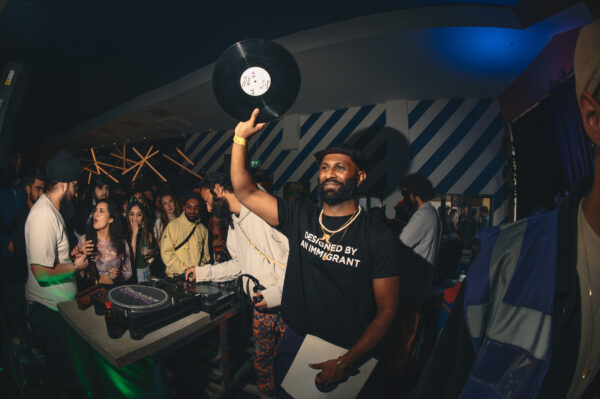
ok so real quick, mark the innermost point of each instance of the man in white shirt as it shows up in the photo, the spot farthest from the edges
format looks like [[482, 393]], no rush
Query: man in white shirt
[[51, 277], [422, 233], [256, 249]]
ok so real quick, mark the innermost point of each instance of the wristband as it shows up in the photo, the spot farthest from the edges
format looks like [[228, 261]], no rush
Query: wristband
[[239, 140], [75, 266]]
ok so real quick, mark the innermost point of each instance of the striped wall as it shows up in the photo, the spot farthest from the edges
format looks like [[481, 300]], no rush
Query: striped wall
[[456, 143]]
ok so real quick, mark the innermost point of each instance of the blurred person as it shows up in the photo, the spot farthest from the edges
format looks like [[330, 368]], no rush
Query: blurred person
[[15, 275], [184, 241], [99, 190], [170, 209], [484, 218], [423, 231], [153, 210], [452, 225]]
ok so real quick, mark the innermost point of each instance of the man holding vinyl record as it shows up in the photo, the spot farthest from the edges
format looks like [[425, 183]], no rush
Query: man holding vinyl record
[[341, 282]]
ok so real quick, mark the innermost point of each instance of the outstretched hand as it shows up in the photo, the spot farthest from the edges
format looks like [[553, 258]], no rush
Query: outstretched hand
[[189, 274], [249, 128]]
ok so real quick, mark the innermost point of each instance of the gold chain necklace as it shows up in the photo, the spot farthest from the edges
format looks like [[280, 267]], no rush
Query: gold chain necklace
[[327, 233], [331, 246]]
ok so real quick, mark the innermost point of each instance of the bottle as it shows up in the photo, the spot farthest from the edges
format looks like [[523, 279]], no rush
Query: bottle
[[112, 324]]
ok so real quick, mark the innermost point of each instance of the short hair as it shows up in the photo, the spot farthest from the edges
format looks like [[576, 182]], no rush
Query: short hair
[[190, 194], [32, 175], [100, 181], [210, 179], [419, 186]]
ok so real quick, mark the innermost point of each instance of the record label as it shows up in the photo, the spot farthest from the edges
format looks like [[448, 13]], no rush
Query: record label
[[255, 81]]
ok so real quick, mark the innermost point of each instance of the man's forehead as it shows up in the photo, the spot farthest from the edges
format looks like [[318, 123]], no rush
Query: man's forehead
[[337, 158], [192, 201], [205, 192]]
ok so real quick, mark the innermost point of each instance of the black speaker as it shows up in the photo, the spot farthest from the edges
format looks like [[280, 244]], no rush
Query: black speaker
[[12, 91]]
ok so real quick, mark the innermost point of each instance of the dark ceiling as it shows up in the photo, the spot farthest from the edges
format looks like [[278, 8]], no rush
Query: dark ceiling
[[83, 58]]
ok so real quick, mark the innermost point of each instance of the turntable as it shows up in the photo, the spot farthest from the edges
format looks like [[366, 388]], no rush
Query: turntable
[[143, 308]]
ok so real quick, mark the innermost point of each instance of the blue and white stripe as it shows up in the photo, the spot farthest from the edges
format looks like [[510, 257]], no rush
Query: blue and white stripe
[[456, 143]]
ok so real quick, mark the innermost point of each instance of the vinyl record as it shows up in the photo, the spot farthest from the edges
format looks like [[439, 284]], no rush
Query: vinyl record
[[256, 73]]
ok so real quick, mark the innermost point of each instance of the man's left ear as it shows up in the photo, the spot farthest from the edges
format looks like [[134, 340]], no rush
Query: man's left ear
[[362, 176], [590, 117], [218, 190]]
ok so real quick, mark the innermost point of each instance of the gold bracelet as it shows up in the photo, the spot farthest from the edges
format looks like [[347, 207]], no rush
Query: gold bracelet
[[239, 140], [340, 364]]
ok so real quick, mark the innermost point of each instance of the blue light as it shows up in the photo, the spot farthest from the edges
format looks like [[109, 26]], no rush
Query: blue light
[[487, 50], [501, 51]]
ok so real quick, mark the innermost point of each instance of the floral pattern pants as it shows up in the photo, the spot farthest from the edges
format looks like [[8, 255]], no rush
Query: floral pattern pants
[[267, 329]]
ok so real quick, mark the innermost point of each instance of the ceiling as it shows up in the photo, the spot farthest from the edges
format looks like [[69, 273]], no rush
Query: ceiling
[[132, 70]]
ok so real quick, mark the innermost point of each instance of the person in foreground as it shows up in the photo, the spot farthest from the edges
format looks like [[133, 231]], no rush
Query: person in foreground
[[341, 282], [51, 273], [527, 324], [256, 249]]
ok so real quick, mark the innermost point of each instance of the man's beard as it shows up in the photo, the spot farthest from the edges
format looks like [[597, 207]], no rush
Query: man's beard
[[413, 205], [66, 198], [193, 219], [220, 210], [348, 190]]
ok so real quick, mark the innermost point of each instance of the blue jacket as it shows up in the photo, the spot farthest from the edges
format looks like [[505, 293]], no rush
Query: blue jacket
[[453, 359]]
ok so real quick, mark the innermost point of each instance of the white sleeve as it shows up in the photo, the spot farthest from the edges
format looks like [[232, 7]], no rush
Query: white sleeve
[[40, 239], [158, 229], [224, 270], [414, 231]]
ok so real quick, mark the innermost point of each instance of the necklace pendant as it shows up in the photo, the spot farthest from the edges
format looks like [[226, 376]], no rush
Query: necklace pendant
[[326, 238]]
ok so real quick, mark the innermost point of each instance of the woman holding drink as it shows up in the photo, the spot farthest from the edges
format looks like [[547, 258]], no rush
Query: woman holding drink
[[109, 255], [143, 245]]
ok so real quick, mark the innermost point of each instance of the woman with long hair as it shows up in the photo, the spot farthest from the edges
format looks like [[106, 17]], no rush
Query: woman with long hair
[[110, 262], [143, 245], [170, 208]]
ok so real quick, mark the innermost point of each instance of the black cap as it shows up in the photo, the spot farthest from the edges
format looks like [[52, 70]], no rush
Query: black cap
[[63, 167], [341, 148]]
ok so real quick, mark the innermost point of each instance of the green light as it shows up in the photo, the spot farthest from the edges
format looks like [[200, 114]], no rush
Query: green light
[[255, 163]]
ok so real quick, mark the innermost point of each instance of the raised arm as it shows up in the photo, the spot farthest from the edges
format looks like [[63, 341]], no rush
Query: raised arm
[[260, 202]]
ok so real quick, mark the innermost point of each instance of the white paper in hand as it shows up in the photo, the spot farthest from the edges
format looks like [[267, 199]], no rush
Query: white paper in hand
[[300, 379]]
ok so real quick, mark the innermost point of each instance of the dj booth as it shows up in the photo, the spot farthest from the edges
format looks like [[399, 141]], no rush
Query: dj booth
[[160, 339]]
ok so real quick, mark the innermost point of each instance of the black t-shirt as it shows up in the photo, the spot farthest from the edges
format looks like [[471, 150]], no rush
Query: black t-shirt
[[333, 298]]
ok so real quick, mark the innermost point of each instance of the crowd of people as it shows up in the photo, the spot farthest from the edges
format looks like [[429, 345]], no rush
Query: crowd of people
[[522, 326]]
